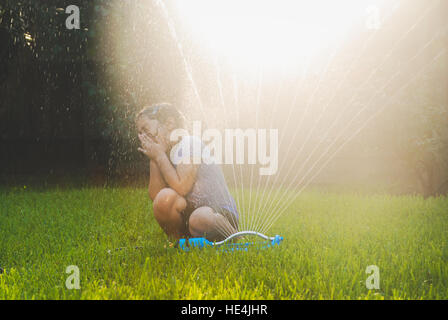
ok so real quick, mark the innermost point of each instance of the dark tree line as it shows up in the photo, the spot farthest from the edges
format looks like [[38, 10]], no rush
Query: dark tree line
[[56, 117]]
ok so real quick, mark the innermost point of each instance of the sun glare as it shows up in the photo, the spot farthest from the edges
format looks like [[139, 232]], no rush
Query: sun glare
[[273, 33]]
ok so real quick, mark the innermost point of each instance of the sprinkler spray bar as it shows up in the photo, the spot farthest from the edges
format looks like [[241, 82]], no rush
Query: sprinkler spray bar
[[186, 244]]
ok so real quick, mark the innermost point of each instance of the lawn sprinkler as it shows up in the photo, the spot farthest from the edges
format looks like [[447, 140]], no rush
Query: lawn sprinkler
[[228, 245]]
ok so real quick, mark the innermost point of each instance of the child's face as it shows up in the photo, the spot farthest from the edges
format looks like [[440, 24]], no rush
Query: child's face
[[154, 129], [148, 126]]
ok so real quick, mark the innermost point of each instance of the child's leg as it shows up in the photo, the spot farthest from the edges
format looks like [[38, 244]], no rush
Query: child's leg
[[204, 222], [168, 206]]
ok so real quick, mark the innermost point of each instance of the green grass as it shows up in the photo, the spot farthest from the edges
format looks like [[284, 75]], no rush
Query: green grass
[[330, 239]]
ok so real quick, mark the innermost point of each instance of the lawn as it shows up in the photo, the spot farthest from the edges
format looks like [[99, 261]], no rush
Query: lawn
[[330, 239]]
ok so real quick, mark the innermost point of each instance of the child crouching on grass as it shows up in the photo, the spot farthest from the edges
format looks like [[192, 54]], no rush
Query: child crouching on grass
[[189, 200]]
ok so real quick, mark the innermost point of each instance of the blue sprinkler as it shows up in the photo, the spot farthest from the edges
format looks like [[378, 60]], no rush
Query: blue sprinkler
[[226, 245]]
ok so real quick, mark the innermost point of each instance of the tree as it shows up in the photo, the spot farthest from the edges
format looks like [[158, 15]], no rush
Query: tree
[[422, 137]]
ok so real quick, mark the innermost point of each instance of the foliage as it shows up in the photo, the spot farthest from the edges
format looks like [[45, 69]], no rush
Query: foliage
[[422, 137], [62, 72]]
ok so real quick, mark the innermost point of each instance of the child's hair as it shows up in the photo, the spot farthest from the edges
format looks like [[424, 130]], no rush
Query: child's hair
[[161, 112]]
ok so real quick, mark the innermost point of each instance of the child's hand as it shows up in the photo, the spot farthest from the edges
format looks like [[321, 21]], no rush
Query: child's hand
[[149, 147]]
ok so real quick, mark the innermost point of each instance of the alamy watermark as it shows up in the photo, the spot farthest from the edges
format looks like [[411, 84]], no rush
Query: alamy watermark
[[73, 20], [373, 280], [73, 280], [228, 147], [373, 21]]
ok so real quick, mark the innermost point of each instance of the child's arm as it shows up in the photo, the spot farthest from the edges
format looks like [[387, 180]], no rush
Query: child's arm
[[181, 179], [156, 181]]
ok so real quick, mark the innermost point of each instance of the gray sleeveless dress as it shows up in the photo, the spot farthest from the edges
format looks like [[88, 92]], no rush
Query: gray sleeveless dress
[[210, 188]]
